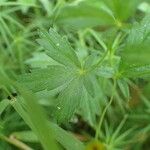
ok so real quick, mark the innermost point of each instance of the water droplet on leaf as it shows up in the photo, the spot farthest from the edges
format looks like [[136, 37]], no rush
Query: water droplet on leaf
[[58, 108]]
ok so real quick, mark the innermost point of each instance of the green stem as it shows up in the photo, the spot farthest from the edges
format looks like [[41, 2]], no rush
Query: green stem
[[104, 111], [99, 62], [56, 10], [81, 39], [99, 40]]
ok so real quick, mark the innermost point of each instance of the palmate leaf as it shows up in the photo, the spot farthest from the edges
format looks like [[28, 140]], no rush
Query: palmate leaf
[[53, 76], [67, 76]]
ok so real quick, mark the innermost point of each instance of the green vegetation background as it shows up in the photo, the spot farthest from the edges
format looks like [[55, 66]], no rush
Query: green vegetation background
[[74, 74]]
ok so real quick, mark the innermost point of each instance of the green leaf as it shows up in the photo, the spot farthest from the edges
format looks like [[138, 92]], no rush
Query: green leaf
[[77, 16], [40, 60], [124, 88], [108, 67], [67, 140], [68, 100], [3, 104], [88, 83], [53, 76], [89, 108], [122, 11], [37, 118], [106, 72], [68, 77], [117, 137], [27, 136], [58, 48], [48, 78], [136, 71], [136, 49], [142, 29]]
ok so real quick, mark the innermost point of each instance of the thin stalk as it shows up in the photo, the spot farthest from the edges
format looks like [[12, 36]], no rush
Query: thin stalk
[[116, 43], [12, 140], [56, 9], [81, 39], [99, 40], [99, 62], [104, 111]]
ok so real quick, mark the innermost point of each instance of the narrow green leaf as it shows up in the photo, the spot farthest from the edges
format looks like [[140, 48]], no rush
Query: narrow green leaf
[[124, 88], [67, 140], [27, 136], [38, 119], [3, 104], [106, 72]]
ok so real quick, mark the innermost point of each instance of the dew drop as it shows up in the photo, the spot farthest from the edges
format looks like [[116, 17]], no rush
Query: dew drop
[[57, 44], [58, 108], [145, 25]]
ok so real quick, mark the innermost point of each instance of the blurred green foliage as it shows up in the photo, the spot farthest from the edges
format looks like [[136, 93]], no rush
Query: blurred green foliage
[[74, 72]]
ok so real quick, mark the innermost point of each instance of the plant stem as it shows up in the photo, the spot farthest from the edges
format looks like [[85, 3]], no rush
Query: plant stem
[[99, 62], [104, 111], [12, 140], [99, 40]]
